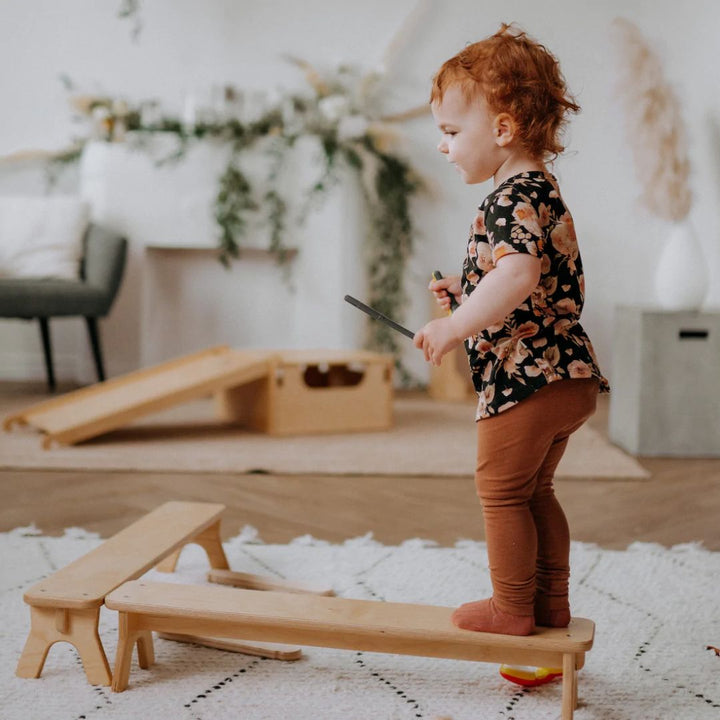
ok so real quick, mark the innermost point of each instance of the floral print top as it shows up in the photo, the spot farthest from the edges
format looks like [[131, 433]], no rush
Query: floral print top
[[541, 340]]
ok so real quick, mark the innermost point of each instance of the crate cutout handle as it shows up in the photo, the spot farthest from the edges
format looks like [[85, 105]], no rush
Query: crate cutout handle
[[324, 375], [689, 334]]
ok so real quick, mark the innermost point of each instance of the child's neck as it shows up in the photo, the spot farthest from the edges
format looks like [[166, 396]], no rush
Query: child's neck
[[516, 164]]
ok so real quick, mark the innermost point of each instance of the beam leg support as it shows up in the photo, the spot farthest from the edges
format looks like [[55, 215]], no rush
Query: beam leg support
[[79, 628]]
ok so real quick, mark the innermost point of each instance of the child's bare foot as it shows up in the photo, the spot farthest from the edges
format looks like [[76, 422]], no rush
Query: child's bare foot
[[484, 616]]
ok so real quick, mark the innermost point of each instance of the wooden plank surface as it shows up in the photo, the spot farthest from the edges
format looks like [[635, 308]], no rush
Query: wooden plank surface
[[85, 582], [108, 405], [268, 650], [92, 390], [249, 581], [337, 622]]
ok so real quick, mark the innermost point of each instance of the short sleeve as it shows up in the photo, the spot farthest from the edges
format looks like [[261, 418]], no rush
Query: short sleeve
[[516, 223]]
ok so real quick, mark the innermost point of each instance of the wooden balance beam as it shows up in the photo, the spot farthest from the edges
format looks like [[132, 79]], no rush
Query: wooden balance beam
[[322, 621], [65, 606]]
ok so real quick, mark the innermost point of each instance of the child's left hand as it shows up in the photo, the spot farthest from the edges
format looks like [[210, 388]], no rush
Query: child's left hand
[[436, 339]]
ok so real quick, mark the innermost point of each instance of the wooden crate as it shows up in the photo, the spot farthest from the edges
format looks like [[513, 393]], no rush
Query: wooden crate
[[314, 391]]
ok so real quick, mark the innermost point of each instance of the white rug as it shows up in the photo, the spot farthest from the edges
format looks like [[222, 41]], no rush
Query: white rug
[[656, 612]]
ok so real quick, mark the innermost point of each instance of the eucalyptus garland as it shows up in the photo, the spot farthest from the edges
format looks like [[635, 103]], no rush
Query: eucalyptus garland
[[387, 197]]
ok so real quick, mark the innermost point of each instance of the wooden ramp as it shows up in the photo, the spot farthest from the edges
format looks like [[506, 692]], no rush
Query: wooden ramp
[[279, 392], [97, 409]]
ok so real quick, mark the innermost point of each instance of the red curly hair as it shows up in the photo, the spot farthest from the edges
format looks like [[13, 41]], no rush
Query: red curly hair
[[518, 76]]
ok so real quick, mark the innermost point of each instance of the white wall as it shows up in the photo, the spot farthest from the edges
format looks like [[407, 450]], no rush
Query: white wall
[[186, 45]]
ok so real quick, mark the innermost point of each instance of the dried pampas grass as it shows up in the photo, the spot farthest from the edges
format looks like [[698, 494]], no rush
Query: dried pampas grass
[[657, 130]]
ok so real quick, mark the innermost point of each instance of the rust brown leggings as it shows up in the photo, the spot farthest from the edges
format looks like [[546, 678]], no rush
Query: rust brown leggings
[[527, 534]]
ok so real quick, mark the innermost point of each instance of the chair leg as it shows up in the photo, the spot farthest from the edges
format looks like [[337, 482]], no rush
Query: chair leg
[[47, 351], [94, 334]]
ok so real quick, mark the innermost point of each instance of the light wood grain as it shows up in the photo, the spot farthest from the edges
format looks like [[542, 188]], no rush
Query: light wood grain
[[337, 622], [272, 651], [285, 403], [266, 389], [102, 407], [65, 606], [344, 623], [249, 581], [85, 582]]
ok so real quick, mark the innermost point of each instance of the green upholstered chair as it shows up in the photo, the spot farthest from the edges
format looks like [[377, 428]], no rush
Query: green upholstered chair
[[91, 295]]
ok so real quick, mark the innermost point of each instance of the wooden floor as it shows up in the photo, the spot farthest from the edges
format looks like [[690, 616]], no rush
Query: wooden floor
[[680, 503]]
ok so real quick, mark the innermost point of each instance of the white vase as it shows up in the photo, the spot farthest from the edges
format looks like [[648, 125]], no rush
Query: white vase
[[681, 277]]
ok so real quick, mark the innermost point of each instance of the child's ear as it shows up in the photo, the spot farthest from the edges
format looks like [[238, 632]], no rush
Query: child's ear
[[504, 129]]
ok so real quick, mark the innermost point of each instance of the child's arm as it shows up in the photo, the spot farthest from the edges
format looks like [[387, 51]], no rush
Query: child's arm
[[496, 296]]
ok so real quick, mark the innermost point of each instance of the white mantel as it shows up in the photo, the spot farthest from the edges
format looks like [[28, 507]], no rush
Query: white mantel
[[177, 298]]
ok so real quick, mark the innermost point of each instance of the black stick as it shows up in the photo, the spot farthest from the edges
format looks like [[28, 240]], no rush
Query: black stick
[[375, 314], [437, 275]]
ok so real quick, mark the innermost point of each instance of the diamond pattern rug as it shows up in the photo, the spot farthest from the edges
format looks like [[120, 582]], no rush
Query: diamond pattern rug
[[655, 609]]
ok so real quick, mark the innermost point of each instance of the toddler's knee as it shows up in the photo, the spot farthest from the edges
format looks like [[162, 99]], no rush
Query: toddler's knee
[[503, 491]]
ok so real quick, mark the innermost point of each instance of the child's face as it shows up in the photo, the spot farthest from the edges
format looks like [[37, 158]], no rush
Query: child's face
[[469, 138]]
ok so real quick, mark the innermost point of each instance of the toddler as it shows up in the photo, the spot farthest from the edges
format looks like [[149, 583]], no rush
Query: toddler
[[500, 105]]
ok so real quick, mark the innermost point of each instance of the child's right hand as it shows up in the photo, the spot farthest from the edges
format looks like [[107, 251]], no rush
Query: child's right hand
[[444, 288]]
